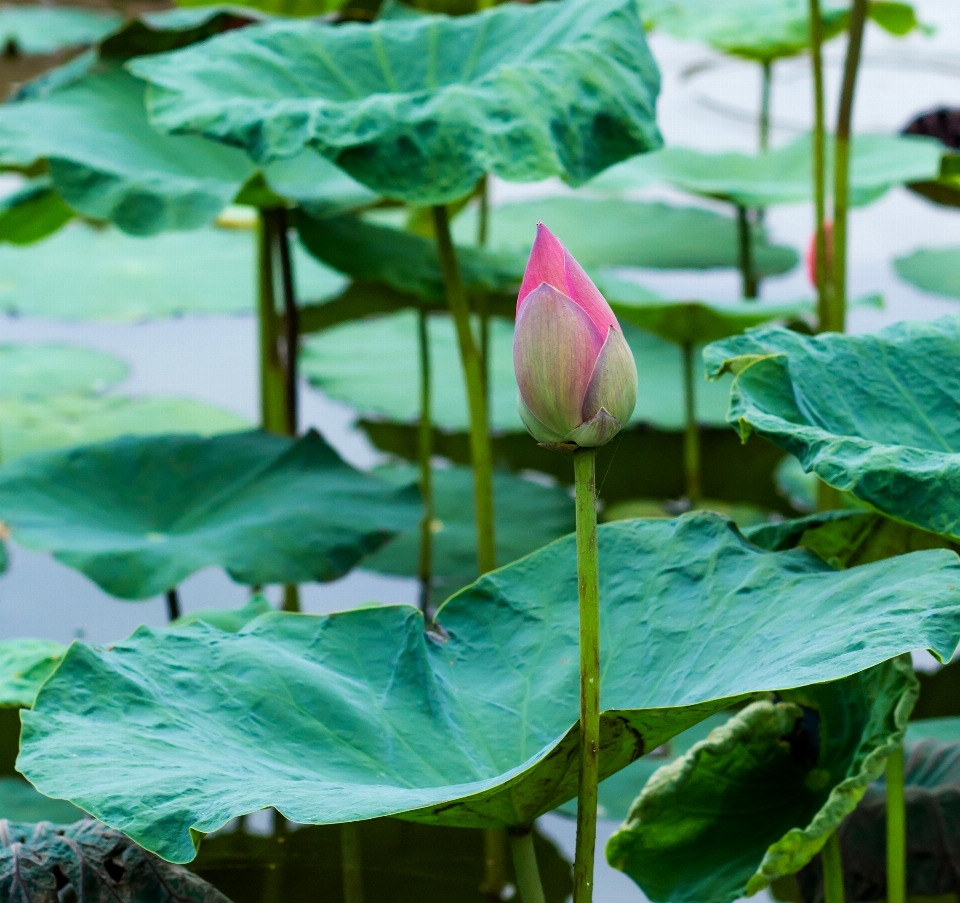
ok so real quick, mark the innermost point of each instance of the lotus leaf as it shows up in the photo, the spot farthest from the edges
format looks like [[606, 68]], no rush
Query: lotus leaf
[[38, 371], [362, 714], [783, 175], [374, 366], [20, 802], [944, 189], [760, 796], [425, 106], [44, 863], [229, 619], [32, 212], [46, 29], [24, 665], [529, 516], [33, 425], [139, 515], [934, 270], [83, 273], [869, 414], [401, 862]]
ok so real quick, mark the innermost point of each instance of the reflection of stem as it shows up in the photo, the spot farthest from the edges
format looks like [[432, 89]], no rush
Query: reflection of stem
[[425, 453], [745, 249], [351, 861], [272, 417], [691, 436], [291, 322], [819, 162], [841, 169], [173, 604], [832, 870], [480, 450], [525, 866], [896, 830], [588, 580]]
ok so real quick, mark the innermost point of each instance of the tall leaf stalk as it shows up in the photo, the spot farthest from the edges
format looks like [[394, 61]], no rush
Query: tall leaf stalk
[[691, 434], [832, 870], [588, 584], [896, 830], [425, 455], [525, 867], [819, 164]]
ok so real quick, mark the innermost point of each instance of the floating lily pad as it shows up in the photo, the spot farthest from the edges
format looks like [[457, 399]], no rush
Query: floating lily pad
[[47, 29], [374, 366], [39, 371], [869, 414], [361, 714], [33, 212], [618, 233], [934, 270], [20, 802], [529, 516], [521, 91], [759, 797], [24, 665], [783, 175], [82, 273], [88, 861], [139, 515], [63, 420]]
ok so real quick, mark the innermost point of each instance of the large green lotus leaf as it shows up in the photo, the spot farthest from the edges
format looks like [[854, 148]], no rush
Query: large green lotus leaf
[[759, 797], [615, 233], [20, 802], [33, 212], [764, 30], [934, 270], [420, 108], [400, 862], [140, 514], [86, 860], [63, 420], [529, 516], [783, 175], [869, 414], [374, 366], [39, 371], [24, 665], [82, 273], [228, 619], [47, 29], [403, 261], [362, 714]]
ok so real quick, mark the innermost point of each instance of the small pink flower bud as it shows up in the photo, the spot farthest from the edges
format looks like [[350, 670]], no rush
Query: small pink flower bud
[[576, 373], [811, 256]]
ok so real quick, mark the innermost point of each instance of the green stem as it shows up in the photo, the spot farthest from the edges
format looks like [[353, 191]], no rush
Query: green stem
[[765, 92], [425, 454], [896, 830], [588, 580], [291, 597], [819, 162], [351, 862], [836, 322], [495, 863], [691, 436], [745, 250], [525, 866], [480, 450], [832, 870], [272, 417], [483, 227], [173, 604], [291, 319]]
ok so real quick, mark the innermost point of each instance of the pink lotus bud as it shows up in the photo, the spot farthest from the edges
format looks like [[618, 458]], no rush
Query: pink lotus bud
[[811, 257], [576, 373]]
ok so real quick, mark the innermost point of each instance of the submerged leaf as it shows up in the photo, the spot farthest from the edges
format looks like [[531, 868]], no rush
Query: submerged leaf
[[362, 714], [20, 802], [934, 270], [139, 515], [420, 108]]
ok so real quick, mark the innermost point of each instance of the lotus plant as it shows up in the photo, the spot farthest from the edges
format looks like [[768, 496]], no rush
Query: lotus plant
[[578, 388]]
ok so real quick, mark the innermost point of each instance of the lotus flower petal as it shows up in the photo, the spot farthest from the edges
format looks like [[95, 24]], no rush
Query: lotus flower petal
[[613, 385], [597, 431], [535, 428], [555, 349]]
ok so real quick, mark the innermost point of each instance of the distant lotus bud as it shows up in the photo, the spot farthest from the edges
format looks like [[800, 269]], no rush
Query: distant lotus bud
[[812, 255], [576, 373]]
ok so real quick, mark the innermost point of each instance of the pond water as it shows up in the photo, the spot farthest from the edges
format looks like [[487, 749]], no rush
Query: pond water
[[213, 359]]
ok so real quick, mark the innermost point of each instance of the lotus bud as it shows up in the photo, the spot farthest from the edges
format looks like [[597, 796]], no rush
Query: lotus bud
[[576, 373], [811, 259]]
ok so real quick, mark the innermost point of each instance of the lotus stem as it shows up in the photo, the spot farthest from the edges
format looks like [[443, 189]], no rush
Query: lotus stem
[[272, 400], [745, 249], [588, 581], [766, 84], [832, 870], [819, 163], [425, 454], [173, 604], [291, 320], [291, 597], [351, 862], [483, 225], [836, 322], [480, 450], [525, 866], [896, 830], [691, 435]]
